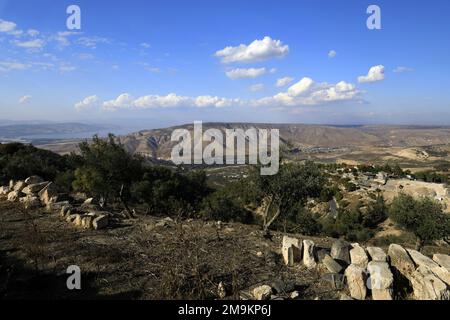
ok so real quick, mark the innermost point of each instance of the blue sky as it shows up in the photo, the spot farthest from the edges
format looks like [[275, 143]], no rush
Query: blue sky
[[156, 63]]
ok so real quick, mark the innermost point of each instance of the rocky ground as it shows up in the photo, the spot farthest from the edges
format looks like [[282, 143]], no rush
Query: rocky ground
[[159, 258], [143, 258]]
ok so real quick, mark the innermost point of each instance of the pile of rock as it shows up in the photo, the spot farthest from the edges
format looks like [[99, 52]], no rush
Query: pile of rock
[[34, 192], [371, 271]]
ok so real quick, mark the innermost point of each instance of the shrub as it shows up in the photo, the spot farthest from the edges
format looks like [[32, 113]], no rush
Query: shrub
[[424, 217]]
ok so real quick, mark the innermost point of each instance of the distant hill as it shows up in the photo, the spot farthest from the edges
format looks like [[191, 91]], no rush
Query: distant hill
[[156, 143]]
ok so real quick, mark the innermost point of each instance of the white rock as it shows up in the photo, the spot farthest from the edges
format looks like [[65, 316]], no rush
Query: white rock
[[294, 295], [34, 188], [443, 260], [48, 194], [381, 280], [356, 281], [78, 221], [262, 292], [401, 260], [308, 254], [13, 196], [340, 251], [427, 286], [19, 185], [296, 245], [221, 291], [377, 254], [425, 262], [358, 256]]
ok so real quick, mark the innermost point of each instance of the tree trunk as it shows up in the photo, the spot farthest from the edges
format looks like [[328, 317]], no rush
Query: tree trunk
[[419, 244], [124, 203]]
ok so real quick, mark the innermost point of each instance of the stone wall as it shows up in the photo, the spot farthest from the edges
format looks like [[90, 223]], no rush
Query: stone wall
[[371, 272]]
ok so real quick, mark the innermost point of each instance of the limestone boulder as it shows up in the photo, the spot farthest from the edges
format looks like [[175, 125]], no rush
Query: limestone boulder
[[401, 261], [331, 264], [13, 196], [87, 222], [425, 262], [381, 280], [340, 251], [296, 250], [443, 260], [262, 292], [66, 211], [56, 206], [33, 180], [356, 282], [309, 259], [19, 186], [34, 188], [377, 254], [428, 286], [358, 256], [101, 222], [48, 194]]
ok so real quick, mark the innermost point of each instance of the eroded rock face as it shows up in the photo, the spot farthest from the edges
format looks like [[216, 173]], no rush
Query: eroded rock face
[[358, 256], [296, 245], [377, 254], [443, 260], [262, 292], [309, 259], [401, 260], [428, 286], [425, 262], [340, 250], [356, 281], [381, 280]]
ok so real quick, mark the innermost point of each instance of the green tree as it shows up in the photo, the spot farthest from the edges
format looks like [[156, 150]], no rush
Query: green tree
[[424, 217], [376, 213], [293, 184], [107, 170]]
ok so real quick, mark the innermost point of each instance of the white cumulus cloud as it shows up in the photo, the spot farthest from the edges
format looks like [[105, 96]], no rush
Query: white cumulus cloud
[[7, 26], [258, 50], [375, 74], [307, 92], [245, 73], [88, 102]]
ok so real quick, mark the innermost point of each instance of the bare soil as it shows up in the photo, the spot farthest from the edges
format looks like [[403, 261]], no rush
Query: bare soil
[[141, 259]]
